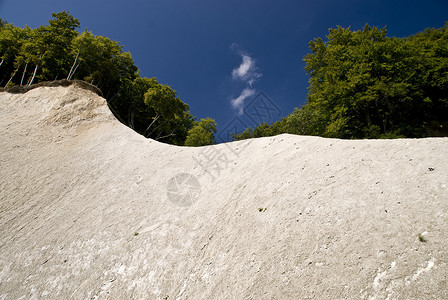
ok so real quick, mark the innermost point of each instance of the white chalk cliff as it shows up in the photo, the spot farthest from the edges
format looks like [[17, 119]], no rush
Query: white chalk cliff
[[89, 209]]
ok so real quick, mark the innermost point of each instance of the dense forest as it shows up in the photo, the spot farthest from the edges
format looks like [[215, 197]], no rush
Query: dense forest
[[364, 84], [58, 51]]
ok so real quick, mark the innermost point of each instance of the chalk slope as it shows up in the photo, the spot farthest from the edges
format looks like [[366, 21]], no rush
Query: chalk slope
[[91, 210]]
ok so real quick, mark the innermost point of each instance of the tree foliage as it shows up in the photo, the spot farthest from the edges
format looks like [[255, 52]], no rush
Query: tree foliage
[[172, 118], [364, 84], [53, 43], [202, 133], [58, 51]]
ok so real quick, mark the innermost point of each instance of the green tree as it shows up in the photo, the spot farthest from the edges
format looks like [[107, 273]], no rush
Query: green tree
[[263, 130], [129, 105], [301, 121], [101, 61], [430, 75], [362, 84], [172, 119], [153, 110], [11, 40], [55, 45], [57, 51], [44, 51], [246, 134], [30, 55], [202, 133]]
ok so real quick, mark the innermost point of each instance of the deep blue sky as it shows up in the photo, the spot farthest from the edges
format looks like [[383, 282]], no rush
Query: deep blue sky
[[188, 44]]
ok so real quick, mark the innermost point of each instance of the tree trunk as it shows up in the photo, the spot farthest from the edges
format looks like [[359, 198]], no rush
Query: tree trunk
[[369, 121], [69, 76], [149, 134], [1, 63], [153, 121], [165, 136], [35, 71], [23, 75], [34, 75], [131, 120], [12, 77], [73, 73]]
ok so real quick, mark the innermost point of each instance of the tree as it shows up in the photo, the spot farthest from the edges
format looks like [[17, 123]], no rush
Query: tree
[[262, 130], [47, 49], [30, 53], [57, 51], [172, 119], [430, 74], [202, 133], [301, 121], [101, 61], [129, 104], [362, 84], [11, 39], [55, 45]]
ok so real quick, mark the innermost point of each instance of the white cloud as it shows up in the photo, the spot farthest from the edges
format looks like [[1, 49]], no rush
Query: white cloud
[[238, 103], [248, 73], [243, 70]]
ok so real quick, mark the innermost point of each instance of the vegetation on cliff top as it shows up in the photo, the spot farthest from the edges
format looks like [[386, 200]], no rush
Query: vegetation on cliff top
[[57, 51], [363, 84]]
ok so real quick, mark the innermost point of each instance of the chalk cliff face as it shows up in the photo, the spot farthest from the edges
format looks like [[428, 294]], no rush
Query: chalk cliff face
[[91, 210]]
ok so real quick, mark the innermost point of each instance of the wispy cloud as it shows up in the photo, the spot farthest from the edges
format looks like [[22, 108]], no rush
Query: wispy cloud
[[238, 103], [246, 72]]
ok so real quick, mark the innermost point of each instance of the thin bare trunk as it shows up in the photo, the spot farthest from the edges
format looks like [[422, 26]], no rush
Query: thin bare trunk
[[1, 63], [69, 76], [131, 119], [34, 75], [153, 121], [23, 75], [73, 73], [157, 137], [149, 134], [35, 71], [153, 130], [12, 77], [165, 136]]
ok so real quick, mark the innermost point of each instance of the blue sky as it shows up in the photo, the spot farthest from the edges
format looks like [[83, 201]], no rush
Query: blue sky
[[218, 55]]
